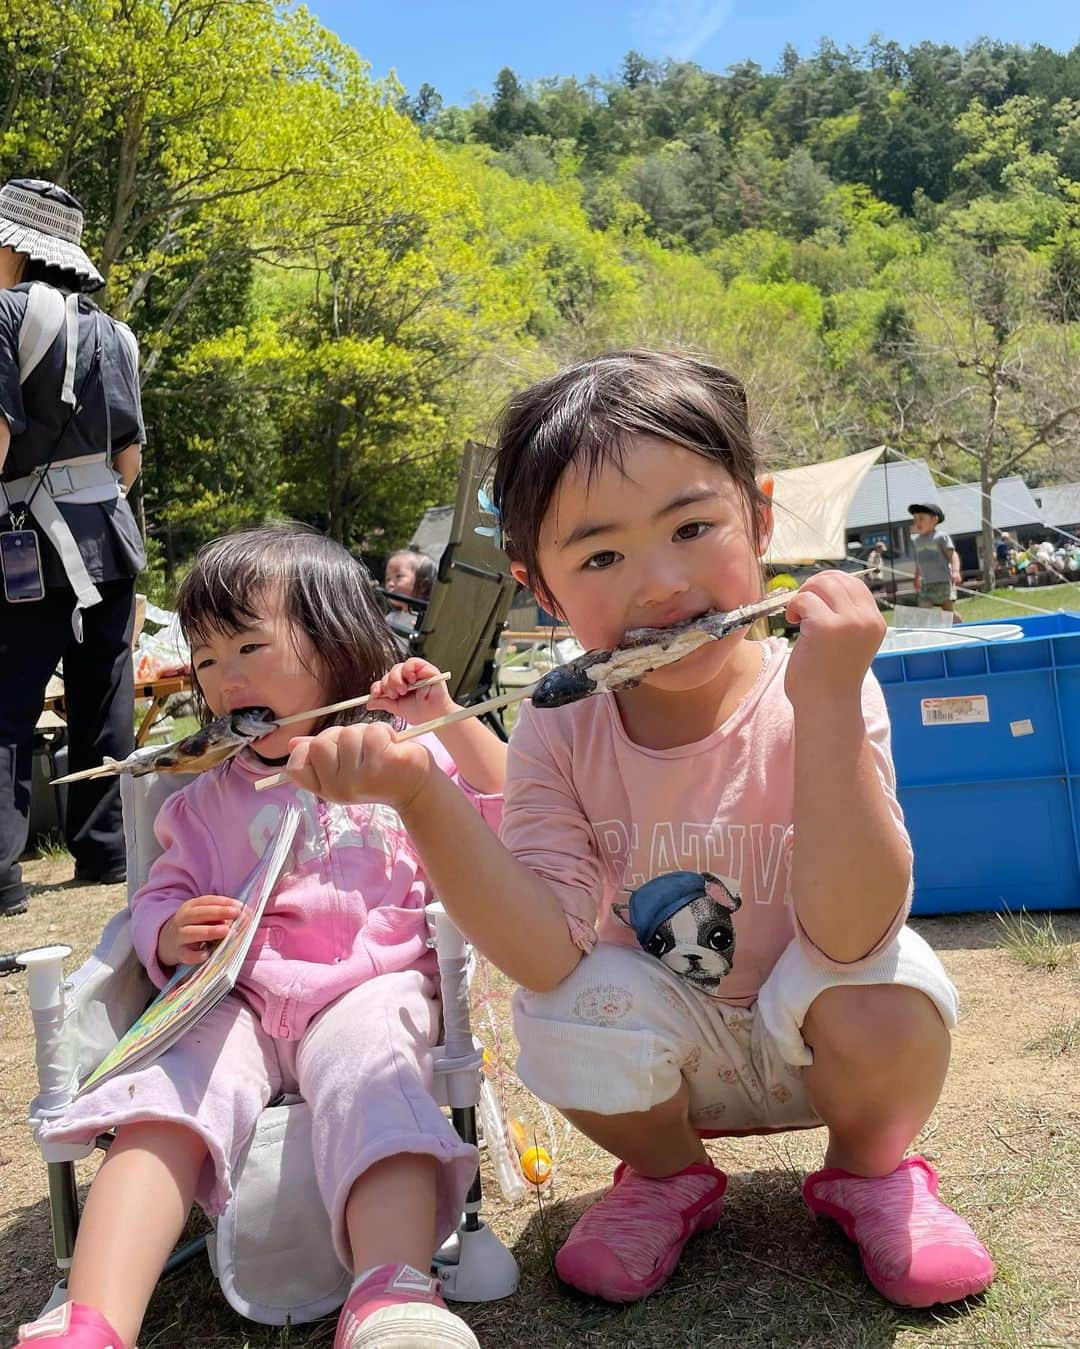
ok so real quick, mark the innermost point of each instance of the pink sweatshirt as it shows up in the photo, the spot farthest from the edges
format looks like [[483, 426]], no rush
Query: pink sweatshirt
[[349, 905], [597, 815]]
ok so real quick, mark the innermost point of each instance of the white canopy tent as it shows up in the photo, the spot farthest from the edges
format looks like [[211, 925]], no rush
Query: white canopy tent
[[810, 508]]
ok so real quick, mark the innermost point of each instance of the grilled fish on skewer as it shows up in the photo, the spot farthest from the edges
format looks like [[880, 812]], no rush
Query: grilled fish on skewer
[[219, 740], [204, 748], [643, 650]]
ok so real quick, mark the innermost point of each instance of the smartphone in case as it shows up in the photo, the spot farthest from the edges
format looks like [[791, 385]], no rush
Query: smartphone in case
[[20, 562]]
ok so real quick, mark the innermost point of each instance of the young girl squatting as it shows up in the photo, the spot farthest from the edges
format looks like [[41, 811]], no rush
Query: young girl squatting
[[754, 782]]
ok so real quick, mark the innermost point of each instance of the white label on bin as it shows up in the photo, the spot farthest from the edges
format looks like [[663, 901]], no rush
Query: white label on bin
[[955, 711], [1022, 727]]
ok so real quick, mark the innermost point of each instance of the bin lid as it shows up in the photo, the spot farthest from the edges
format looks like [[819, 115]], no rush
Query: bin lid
[[922, 639]]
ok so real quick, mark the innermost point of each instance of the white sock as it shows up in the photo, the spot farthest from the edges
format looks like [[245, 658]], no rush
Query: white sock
[[362, 1276]]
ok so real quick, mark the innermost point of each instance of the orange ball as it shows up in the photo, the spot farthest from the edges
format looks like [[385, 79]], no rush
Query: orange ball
[[535, 1165]]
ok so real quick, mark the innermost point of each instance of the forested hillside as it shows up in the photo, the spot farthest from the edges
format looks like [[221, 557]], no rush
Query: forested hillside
[[335, 281]]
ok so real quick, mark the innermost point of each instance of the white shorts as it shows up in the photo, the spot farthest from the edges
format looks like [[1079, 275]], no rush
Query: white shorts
[[621, 1030]]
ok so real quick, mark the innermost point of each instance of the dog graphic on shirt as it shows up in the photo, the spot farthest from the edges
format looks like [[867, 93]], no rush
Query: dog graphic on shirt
[[684, 918]]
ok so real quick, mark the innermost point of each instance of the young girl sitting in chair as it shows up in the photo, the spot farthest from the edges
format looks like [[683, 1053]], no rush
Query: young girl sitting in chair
[[703, 879], [336, 999]]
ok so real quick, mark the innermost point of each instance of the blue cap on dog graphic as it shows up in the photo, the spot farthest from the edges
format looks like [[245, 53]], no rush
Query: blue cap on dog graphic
[[658, 899]]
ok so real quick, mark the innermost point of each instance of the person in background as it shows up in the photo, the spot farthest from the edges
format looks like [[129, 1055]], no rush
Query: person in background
[[1005, 551], [875, 562], [937, 563], [408, 572], [71, 437]]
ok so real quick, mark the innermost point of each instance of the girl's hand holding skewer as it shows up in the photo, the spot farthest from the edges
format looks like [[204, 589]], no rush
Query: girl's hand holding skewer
[[396, 693], [840, 630], [196, 925], [354, 764], [480, 757]]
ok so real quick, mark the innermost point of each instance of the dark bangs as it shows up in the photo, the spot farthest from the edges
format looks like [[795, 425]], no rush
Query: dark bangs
[[329, 596], [587, 414]]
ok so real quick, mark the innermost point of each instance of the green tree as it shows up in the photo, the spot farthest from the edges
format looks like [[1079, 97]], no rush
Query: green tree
[[1005, 384], [636, 70], [1063, 286], [806, 201], [424, 107]]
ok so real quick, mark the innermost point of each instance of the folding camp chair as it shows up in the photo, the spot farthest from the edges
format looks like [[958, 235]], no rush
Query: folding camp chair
[[298, 1277], [458, 626]]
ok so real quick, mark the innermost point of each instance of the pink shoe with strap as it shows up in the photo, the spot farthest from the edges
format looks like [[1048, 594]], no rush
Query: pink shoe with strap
[[399, 1307], [74, 1326], [626, 1246], [916, 1251]]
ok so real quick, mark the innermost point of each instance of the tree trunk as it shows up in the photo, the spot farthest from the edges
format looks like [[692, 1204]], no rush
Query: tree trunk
[[335, 523], [170, 555], [986, 459], [126, 192], [987, 485]]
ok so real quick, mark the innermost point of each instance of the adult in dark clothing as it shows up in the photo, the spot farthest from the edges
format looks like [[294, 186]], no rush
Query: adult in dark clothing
[[71, 436]]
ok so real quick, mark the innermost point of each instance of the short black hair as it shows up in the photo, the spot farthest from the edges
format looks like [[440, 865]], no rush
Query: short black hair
[[587, 412], [329, 596]]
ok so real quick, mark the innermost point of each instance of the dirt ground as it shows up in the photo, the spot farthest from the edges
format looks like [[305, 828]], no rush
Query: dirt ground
[[1005, 1136]]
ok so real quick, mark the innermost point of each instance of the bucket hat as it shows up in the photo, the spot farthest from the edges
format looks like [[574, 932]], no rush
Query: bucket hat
[[46, 223]]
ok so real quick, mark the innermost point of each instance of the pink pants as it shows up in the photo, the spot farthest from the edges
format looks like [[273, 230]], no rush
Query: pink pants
[[363, 1065]]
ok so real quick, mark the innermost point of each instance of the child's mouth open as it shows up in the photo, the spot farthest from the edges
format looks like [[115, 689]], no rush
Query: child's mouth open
[[665, 625], [254, 722], [646, 649]]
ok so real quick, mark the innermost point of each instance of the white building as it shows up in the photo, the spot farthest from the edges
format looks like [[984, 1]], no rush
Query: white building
[[1060, 507]]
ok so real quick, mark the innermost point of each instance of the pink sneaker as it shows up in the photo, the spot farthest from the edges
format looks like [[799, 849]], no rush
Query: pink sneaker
[[398, 1307], [627, 1244], [73, 1325], [916, 1251]]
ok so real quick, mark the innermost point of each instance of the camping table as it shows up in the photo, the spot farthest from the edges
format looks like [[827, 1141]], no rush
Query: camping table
[[157, 691]]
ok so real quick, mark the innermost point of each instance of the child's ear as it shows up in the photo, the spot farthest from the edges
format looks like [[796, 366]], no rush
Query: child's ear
[[546, 601], [622, 912]]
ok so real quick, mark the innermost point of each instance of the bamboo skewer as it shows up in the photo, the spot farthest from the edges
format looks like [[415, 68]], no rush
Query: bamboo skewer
[[112, 769], [462, 714], [356, 702], [771, 603], [103, 770]]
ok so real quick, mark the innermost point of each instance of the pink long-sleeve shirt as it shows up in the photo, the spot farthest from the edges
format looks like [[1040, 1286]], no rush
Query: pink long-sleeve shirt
[[348, 906], [597, 816]]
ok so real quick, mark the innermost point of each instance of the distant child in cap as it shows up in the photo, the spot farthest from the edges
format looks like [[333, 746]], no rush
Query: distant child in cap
[[937, 563]]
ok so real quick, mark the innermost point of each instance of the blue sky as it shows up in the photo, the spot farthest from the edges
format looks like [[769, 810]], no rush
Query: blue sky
[[460, 45]]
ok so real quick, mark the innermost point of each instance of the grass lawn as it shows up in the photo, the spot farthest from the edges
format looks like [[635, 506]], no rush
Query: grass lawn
[[1019, 601], [1005, 1136]]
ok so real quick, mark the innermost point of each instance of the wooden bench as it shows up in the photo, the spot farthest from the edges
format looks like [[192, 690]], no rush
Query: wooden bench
[[156, 691]]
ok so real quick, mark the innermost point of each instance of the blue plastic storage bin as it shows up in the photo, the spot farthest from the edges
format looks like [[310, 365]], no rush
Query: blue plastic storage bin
[[990, 786]]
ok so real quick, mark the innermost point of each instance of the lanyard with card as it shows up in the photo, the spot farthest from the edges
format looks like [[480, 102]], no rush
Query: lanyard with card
[[20, 550]]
